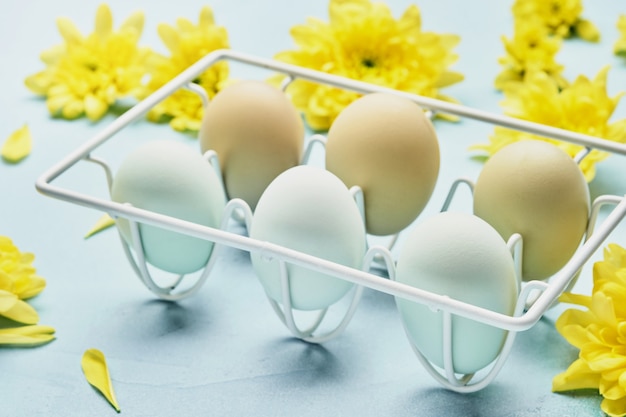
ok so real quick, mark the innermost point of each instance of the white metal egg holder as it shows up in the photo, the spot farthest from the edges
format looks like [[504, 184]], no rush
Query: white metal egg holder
[[549, 291]]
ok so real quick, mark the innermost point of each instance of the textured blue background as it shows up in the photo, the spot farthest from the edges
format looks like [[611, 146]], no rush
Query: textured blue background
[[224, 352]]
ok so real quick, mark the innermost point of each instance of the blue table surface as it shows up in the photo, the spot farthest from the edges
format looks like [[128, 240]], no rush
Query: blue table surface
[[224, 352]]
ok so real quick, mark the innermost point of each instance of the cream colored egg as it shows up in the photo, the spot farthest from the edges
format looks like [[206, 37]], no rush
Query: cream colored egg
[[257, 134], [463, 257], [310, 210], [535, 189], [384, 144], [170, 178]]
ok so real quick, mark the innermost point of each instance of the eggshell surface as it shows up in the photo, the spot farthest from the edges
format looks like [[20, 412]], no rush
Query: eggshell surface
[[257, 134], [460, 256], [535, 189], [385, 144], [310, 210], [173, 179]]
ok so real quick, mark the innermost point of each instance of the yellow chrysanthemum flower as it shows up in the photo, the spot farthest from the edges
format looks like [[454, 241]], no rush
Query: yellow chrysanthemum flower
[[18, 282], [187, 43], [363, 41], [620, 44], [530, 49], [584, 106], [561, 17], [87, 74], [599, 332]]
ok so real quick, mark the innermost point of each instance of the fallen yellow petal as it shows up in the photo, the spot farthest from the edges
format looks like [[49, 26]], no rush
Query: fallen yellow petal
[[95, 369], [26, 335], [18, 145], [103, 223]]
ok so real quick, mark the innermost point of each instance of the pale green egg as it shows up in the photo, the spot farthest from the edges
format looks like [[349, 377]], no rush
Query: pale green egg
[[463, 257], [310, 210], [170, 178]]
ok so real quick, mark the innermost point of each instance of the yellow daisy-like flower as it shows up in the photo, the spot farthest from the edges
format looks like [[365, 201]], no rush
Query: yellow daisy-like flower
[[86, 75], [18, 282], [560, 17], [584, 106], [186, 43], [363, 41], [530, 49], [620, 45], [599, 331]]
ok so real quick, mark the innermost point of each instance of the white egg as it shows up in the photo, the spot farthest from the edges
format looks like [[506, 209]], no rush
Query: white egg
[[463, 257], [309, 210], [172, 179]]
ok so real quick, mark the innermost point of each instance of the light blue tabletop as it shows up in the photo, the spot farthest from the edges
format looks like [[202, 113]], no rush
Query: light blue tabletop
[[224, 352]]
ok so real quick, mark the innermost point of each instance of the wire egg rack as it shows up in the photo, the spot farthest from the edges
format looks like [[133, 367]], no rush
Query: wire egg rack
[[535, 297]]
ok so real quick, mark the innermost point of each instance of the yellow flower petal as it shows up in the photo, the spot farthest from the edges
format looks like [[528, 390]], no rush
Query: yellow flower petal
[[17, 146], [28, 286], [575, 316], [169, 36], [587, 30], [26, 335], [578, 299], [614, 408], [134, 23], [39, 83], [20, 312], [104, 21], [103, 223], [69, 31], [73, 109], [206, 17], [611, 390], [7, 300], [575, 334], [95, 108], [578, 376], [449, 78], [95, 369]]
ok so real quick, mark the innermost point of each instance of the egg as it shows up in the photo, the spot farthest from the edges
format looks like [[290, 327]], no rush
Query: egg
[[463, 257], [385, 144], [535, 189], [173, 179], [256, 132], [310, 210]]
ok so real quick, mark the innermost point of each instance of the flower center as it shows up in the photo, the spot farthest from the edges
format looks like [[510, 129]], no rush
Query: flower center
[[368, 63]]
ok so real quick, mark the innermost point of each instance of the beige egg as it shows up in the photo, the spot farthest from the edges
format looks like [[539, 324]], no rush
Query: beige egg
[[385, 144], [535, 189], [257, 134]]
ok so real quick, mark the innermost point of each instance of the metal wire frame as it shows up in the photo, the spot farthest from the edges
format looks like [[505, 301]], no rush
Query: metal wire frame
[[550, 293]]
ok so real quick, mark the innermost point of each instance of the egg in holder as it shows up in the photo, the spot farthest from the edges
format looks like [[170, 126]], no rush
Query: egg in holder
[[308, 209], [151, 178], [500, 323]]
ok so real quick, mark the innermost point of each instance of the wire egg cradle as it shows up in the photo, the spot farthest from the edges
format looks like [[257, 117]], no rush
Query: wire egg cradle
[[535, 297]]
